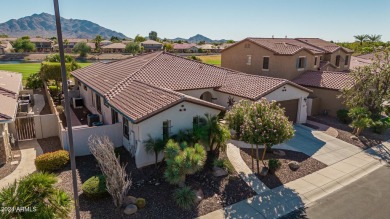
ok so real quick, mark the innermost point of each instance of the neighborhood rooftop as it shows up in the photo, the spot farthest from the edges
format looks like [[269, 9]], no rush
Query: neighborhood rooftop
[[326, 79], [10, 84]]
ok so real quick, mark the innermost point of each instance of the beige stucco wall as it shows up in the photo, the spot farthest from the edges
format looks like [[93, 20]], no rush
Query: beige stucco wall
[[281, 66], [328, 101], [332, 59]]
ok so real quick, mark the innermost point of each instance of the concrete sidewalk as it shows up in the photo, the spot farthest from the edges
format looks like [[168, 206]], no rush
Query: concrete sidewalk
[[306, 190], [29, 149]]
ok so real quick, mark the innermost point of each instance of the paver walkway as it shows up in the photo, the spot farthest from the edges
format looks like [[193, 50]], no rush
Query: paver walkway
[[29, 149], [243, 170], [39, 104], [306, 190]]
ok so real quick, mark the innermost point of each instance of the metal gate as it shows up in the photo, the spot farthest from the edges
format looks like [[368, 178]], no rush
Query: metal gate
[[25, 128]]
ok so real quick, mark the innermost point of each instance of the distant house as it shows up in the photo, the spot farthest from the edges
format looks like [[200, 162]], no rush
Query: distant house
[[10, 86], [114, 48], [42, 45], [9, 39], [5, 47], [209, 48], [105, 42], [185, 48], [160, 94], [152, 46], [71, 42]]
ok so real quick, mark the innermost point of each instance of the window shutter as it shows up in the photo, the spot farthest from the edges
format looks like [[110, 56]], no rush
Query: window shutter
[[297, 63]]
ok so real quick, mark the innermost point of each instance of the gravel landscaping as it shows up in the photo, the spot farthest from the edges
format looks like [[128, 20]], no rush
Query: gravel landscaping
[[149, 183], [8, 168], [284, 174], [50, 144], [366, 140]]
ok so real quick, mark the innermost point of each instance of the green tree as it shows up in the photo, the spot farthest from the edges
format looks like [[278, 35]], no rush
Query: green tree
[[370, 85], [133, 48], [168, 47], [98, 39], [360, 119], [154, 145], [66, 43], [38, 192], [230, 41], [182, 160], [361, 38], [34, 81], [153, 35], [24, 45], [139, 39], [82, 48], [56, 58], [115, 39], [52, 71], [214, 134], [374, 38]]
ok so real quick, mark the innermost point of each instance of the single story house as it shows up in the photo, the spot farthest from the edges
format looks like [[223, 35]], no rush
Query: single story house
[[10, 85], [152, 46], [114, 48], [160, 93], [326, 87], [185, 48], [209, 48]]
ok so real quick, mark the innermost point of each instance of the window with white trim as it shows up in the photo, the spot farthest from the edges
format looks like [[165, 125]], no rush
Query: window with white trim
[[315, 61]]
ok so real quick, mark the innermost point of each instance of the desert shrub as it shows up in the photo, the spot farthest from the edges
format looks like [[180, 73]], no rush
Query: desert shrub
[[224, 163], [184, 197], [37, 192], [95, 187], [274, 164], [380, 126], [342, 116], [195, 58], [140, 202], [34, 81], [60, 109], [52, 161], [53, 90]]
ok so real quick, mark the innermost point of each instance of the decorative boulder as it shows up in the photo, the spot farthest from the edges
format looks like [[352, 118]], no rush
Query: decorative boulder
[[279, 153], [130, 209], [129, 200], [218, 172], [355, 138], [263, 171], [199, 196], [293, 165]]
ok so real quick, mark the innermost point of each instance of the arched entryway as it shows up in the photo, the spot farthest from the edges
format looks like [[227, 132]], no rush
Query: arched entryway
[[206, 96]]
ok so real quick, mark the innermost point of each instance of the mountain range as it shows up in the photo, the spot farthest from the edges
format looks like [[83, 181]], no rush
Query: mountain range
[[44, 25]]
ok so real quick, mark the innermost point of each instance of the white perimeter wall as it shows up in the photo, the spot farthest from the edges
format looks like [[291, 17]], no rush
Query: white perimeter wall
[[180, 120], [82, 133], [46, 126]]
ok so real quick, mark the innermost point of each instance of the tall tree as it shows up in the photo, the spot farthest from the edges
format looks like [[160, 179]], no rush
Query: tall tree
[[374, 38], [98, 39], [154, 145], [133, 48], [139, 39], [361, 38], [66, 43], [168, 47], [370, 85], [115, 39], [82, 48], [24, 45], [153, 35]]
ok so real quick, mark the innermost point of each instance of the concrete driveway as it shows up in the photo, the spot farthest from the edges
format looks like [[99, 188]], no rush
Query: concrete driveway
[[320, 146]]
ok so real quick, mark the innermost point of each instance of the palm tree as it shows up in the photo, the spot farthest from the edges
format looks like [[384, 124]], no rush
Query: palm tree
[[98, 40], [374, 38], [214, 133], [361, 38], [66, 42], [154, 145]]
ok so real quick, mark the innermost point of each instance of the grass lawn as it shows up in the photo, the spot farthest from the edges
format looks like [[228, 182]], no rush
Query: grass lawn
[[27, 68], [211, 59]]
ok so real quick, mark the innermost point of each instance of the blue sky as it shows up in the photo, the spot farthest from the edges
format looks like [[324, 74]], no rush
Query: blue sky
[[337, 20]]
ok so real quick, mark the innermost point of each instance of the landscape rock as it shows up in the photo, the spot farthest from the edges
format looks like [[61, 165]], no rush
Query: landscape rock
[[263, 171], [130, 209], [279, 153], [355, 138], [129, 200], [218, 172], [199, 196], [293, 165]]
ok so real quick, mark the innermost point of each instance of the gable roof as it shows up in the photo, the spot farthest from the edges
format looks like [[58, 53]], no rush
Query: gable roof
[[359, 62], [10, 84], [114, 46], [323, 44], [150, 42], [183, 45], [327, 79], [165, 74]]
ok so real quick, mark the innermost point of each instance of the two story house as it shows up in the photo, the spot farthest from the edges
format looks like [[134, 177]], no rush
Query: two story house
[[152, 46], [291, 59], [42, 45]]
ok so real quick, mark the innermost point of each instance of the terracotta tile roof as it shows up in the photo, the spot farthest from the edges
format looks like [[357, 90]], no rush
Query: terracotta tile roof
[[147, 42], [326, 79], [183, 45], [324, 45], [114, 46], [125, 83], [76, 40], [39, 40], [10, 84], [359, 62], [139, 100]]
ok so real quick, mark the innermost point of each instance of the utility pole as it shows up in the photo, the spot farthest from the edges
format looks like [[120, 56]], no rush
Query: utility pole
[[67, 107]]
